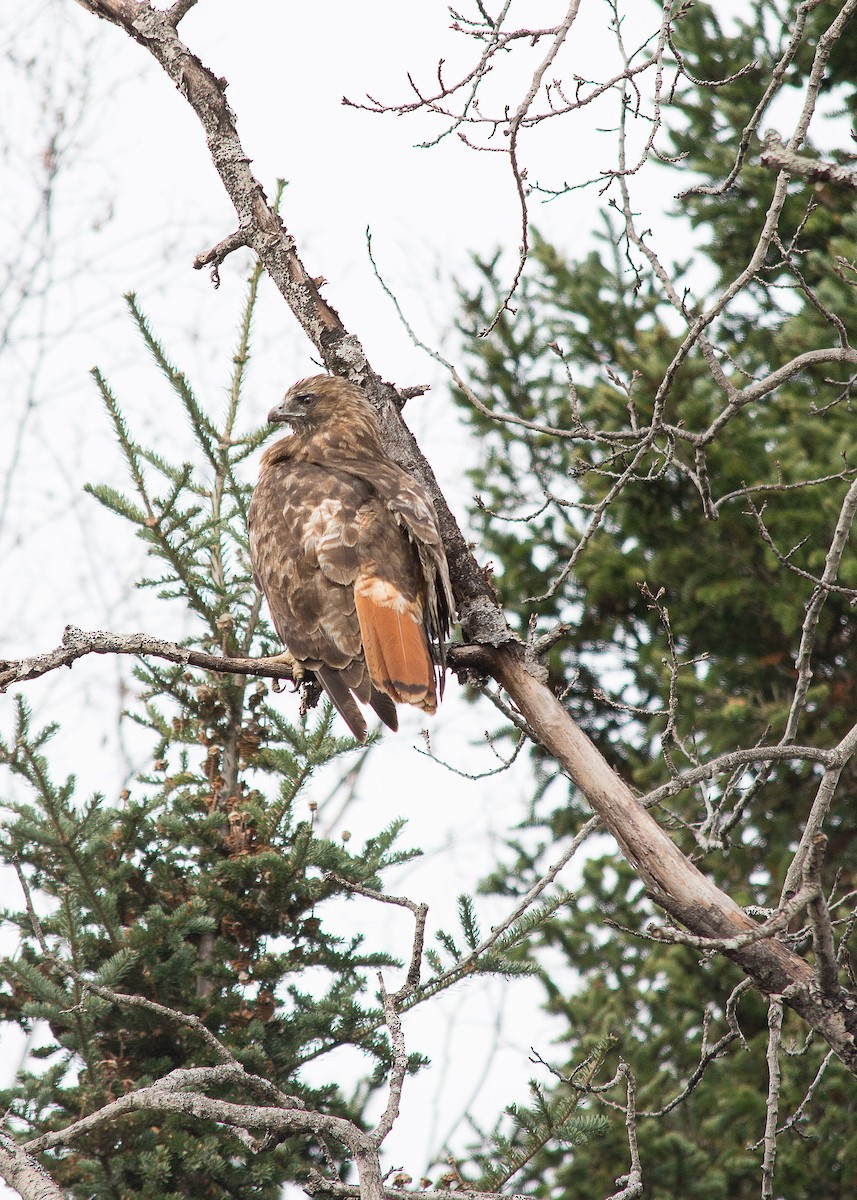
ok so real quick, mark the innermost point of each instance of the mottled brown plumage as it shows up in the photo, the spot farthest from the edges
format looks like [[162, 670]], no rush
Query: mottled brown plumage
[[346, 548]]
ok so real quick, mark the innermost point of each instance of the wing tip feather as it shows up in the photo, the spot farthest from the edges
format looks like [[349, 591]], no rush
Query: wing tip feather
[[343, 701]]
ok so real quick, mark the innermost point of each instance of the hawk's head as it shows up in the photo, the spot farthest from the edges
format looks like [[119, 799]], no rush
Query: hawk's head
[[321, 400]]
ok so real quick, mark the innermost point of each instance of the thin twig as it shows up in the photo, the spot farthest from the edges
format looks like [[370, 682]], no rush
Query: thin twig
[[826, 965], [217, 255], [420, 912], [319, 1184], [633, 1181], [179, 9], [772, 1104], [770, 928]]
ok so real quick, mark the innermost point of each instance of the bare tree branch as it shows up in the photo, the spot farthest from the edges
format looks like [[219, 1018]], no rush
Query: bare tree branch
[[772, 1106], [23, 1173], [775, 154], [170, 1095], [77, 642], [633, 1181], [320, 1184]]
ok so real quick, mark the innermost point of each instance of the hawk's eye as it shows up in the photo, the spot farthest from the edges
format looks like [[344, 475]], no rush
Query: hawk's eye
[[304, 399]]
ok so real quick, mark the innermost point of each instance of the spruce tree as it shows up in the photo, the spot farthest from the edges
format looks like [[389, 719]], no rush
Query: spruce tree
[[183, 922], [202, 887]]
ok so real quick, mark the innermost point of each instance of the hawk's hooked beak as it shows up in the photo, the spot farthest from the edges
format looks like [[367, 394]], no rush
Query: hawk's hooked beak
[[294, 407], [282, 412]]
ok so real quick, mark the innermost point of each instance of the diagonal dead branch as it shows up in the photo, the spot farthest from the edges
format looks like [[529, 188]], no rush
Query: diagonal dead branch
[[23, 1173]]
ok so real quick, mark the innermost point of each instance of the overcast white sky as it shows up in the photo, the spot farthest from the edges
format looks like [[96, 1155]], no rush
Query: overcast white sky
[[136, 200]]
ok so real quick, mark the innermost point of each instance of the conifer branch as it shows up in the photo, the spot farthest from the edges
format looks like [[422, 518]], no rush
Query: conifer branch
[[126, 1000], [507, 926], [318, 1184], [170, 1095]]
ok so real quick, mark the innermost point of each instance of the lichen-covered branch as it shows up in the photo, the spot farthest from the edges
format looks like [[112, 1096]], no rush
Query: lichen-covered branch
[[23, 1174], [776, 155], [76, 643]]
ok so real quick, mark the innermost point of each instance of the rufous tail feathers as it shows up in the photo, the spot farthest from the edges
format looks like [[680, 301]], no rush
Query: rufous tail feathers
[[394, 644]]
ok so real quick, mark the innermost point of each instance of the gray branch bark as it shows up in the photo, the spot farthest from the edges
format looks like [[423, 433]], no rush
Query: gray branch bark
[[777, 155], [24, 1175]]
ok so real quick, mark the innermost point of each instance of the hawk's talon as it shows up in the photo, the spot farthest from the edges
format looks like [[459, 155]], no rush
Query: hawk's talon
[[285, 659]]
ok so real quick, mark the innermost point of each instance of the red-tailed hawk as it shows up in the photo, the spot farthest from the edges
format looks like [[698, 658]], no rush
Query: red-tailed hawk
[[346, 548]]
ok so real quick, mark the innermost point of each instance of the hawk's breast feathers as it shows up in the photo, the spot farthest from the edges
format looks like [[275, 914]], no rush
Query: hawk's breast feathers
[[346, 548]]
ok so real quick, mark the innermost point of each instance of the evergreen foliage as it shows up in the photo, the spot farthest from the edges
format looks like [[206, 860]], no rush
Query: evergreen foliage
[[663, 597], [199, 887]]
